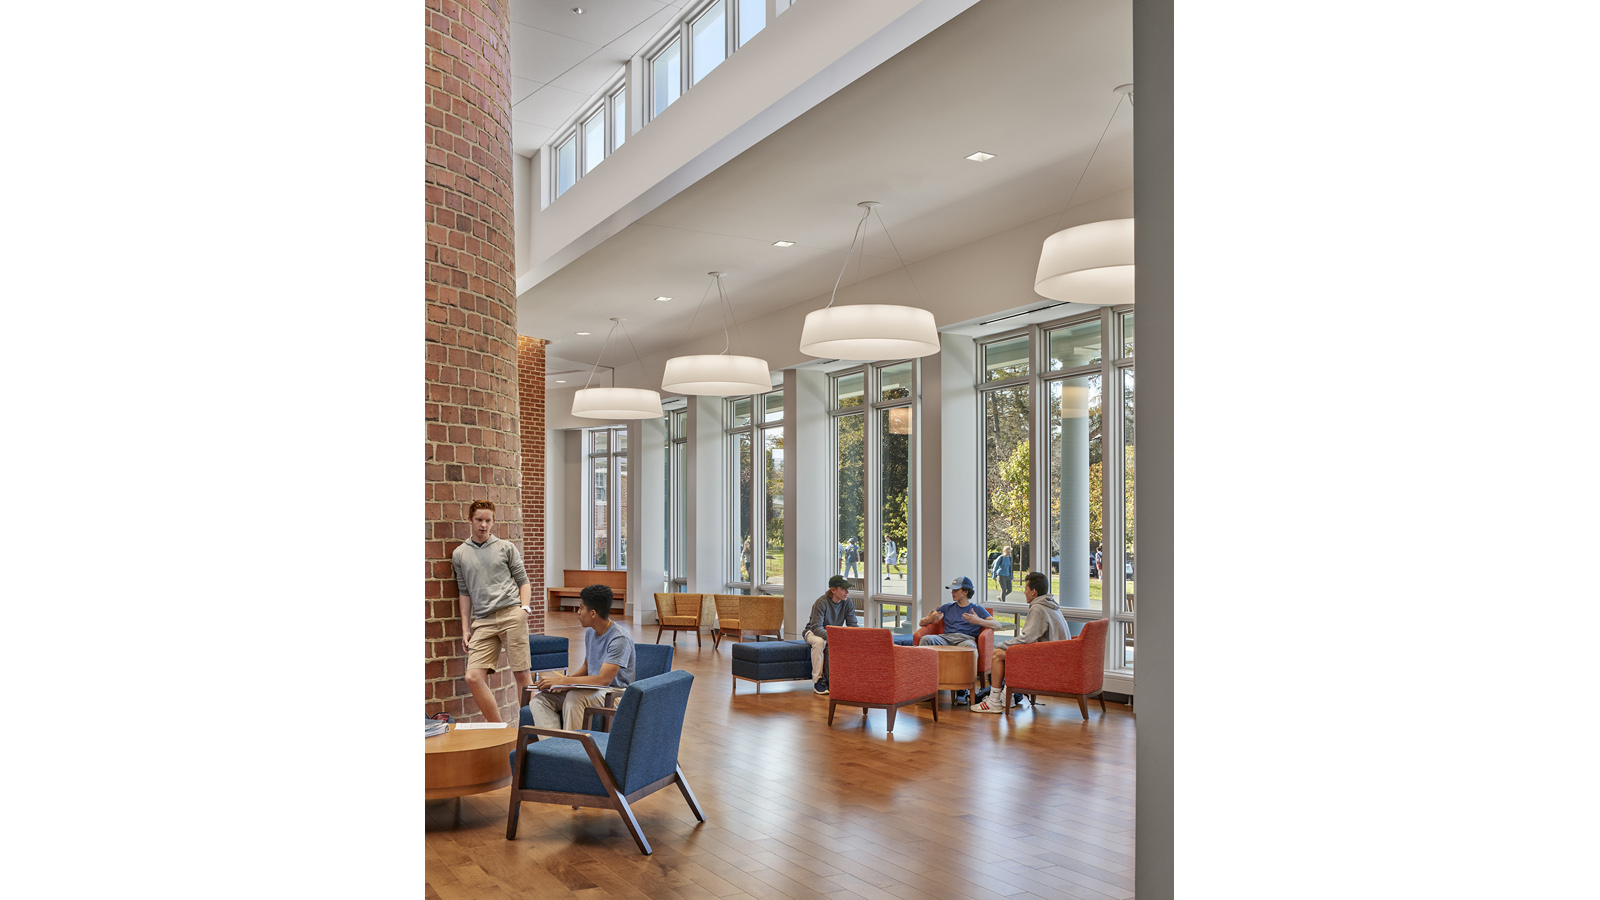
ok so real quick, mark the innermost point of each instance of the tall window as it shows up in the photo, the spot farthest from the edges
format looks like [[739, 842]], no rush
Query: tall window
[[1072, 491], [1007, 467], [677, 507], [755, 433], [874, 422], [606, 512]]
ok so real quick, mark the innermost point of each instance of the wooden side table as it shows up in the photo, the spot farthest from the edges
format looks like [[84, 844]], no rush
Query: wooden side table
[[468, 762], [958, 667]]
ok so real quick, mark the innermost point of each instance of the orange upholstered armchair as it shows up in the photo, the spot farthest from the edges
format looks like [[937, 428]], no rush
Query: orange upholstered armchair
[[866, 669], [1074, 668], [985, 643], [740, 614], [678, 612]]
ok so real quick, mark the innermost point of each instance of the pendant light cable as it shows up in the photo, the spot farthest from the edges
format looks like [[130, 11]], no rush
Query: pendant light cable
[[847, 253], [1120, 97], [602, 356]]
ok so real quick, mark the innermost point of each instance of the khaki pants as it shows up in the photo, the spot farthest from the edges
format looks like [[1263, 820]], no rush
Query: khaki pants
[[564, 709]]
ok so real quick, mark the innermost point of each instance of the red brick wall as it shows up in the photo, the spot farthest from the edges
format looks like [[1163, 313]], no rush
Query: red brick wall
[[530, 397], [471, 407]]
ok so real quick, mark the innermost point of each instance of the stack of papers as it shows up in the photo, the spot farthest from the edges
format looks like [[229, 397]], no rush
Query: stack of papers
[[468, 726]]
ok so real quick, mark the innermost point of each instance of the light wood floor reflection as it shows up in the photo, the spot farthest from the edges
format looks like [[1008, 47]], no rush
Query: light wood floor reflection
[[975, 807]]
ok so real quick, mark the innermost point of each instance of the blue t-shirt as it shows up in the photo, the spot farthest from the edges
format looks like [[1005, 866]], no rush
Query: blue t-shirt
[[953, 620], [615, 646]]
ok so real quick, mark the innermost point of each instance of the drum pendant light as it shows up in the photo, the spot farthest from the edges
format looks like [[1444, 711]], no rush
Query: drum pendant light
[[869, 331], [615, 402], [1090, 263], [721, 374]]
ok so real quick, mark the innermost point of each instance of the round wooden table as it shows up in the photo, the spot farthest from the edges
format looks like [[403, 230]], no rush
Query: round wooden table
[[469, 762], [958, 667]]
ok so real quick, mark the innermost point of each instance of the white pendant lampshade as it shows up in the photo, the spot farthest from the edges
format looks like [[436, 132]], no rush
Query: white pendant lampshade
[[1091, 264], [869, 331], [1074, 401], [616, 403], [719, 375]]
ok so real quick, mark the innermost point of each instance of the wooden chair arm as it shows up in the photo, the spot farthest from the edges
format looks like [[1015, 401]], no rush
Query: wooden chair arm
[[604, 712], [527, 733]]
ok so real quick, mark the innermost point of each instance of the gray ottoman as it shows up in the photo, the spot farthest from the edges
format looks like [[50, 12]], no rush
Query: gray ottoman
[[771, 661]]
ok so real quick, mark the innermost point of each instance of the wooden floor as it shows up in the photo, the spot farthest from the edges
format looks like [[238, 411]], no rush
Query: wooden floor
[[971, 808]]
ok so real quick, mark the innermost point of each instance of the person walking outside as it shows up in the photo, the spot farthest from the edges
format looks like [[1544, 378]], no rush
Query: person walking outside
[[1002, 572]]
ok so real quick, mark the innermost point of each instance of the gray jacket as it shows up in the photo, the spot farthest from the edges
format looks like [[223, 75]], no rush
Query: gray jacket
[[1045, 622]]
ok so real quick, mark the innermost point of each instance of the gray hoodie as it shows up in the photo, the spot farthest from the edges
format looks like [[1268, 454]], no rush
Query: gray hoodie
[[1045, 622], [826, 612]]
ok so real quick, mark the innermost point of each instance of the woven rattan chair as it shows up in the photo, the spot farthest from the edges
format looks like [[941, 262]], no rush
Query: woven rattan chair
[[742, 615], [678, 612]]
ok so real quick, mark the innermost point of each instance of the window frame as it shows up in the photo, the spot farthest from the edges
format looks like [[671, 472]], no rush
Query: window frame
[[874, 599], [576, 131], [755, 429], [617, 525], [1114, 362], [677, 577], [682, 32]]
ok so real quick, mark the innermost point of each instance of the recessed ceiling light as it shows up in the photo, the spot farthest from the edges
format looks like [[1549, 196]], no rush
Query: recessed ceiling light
[[783, 243], [577, 10], [981, 156], [583, 333], [662, 299], [561, 381]]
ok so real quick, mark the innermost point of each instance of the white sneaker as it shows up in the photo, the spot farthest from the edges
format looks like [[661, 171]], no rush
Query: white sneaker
[[991, 704]]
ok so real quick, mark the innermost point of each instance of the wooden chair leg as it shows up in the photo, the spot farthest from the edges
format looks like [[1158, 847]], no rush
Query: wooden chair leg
[[1101, 696], [697, 642], [511, 818], [1083, 708], [935, 704], [694, 805], [831, 705], [716, 639], [892, 710], [632, 824], [658, 633]]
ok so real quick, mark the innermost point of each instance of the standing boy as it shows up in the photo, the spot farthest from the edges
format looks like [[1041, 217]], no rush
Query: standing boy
[[494, 592]]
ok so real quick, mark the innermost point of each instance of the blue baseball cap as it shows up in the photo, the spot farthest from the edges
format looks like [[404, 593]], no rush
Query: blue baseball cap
[[962, 582]]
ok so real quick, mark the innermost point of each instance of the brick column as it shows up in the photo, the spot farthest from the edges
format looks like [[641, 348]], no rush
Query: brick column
[[471, 404], [530, 397]]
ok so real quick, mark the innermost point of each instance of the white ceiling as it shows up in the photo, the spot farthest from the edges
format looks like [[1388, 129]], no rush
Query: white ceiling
[[560, 59], [1027, 80]]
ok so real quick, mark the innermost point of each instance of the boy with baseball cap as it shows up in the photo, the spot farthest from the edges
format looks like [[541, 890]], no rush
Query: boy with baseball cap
[[963, 622]]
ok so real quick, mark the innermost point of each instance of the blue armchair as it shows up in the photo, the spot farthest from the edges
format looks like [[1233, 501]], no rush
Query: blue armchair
[[608, 771], [649, 661]]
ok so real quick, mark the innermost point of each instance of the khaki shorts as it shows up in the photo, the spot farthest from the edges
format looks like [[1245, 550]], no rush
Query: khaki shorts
[[504, 628]]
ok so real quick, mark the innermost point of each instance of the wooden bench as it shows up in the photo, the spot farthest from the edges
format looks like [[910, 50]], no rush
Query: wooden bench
[[573, 581]]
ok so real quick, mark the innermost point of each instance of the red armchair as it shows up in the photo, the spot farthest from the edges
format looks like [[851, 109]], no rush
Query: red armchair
[[985, 644], [866, 669], [1074, 668]]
